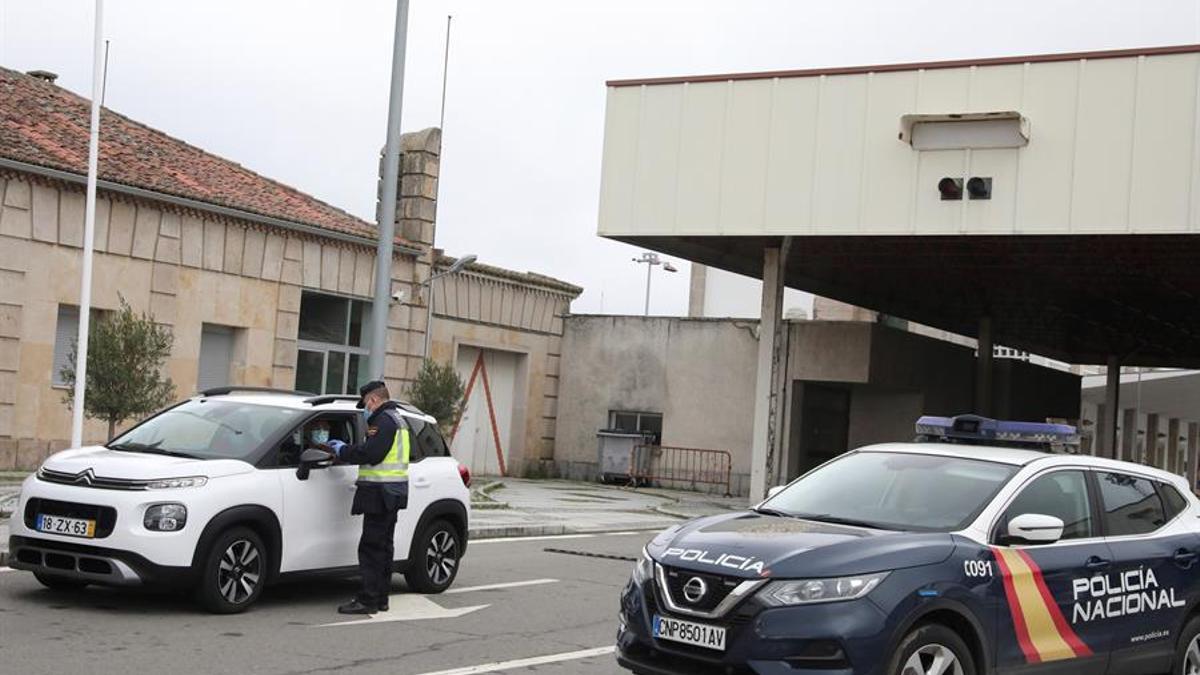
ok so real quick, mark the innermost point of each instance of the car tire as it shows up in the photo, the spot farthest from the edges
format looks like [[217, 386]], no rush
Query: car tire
[[57, 583], [437, 555], [1187, 651], [233, 572], [925, 649]]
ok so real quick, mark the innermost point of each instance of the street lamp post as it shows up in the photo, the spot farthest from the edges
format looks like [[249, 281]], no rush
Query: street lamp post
[[453, 269], [651, 260]]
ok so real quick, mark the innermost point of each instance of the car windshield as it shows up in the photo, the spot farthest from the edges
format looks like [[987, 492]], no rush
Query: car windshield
[[208, 428], [894, 491]]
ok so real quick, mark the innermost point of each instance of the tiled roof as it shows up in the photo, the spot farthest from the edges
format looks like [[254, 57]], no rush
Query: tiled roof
[[44, 124], [532, 278]]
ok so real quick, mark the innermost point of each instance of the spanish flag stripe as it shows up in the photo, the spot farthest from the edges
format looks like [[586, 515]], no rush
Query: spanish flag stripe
[[1034, 609], [1014, 610], [1060, 621]]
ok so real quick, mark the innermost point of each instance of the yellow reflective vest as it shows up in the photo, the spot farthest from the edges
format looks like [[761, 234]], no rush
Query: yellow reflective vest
[[394, 467]]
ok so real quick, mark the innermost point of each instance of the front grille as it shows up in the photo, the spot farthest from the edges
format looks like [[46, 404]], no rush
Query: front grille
[[105, 516], [716, 588], [735, 622], [89, 479]]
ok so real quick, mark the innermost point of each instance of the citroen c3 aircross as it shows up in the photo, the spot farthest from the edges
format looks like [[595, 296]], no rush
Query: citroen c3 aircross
[[974, 550]]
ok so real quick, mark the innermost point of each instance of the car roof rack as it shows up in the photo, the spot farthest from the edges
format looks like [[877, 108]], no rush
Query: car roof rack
[[330, 398], [230, 389]]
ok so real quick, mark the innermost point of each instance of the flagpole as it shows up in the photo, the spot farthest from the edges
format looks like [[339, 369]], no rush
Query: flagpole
[[89, 231]]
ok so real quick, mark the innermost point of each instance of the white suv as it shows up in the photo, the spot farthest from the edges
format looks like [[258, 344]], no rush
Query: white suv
[[219, 494]]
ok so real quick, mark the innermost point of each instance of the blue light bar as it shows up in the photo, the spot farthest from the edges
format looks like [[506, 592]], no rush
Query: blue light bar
[[984, 430]]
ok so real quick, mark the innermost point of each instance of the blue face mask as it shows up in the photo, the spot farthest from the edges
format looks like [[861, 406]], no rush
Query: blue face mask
[[366, 414]]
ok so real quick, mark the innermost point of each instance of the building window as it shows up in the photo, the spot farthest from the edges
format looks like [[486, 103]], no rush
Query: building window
[[647, 423], [333, 338], [216, 357], [66, 331]]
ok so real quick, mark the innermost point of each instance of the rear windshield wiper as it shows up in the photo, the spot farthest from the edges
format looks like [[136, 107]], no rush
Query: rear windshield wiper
[[836, 520]]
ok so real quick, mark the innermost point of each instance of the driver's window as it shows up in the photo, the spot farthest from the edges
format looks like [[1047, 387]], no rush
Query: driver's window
[[1062, 494], [312, 434]]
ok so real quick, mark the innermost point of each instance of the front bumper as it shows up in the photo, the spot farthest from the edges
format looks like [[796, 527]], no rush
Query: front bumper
[[93, 564], [840, 638]]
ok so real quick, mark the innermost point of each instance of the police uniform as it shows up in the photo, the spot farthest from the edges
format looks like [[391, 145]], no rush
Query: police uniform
[[382, 491]]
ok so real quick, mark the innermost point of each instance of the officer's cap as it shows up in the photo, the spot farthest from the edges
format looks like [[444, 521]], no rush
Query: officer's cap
[[367, 389]]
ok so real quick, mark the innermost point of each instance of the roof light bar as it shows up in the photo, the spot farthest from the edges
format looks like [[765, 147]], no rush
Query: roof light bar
[[984, 430]]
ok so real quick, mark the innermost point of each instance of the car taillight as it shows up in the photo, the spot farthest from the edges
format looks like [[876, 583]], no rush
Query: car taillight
[[465, 474]]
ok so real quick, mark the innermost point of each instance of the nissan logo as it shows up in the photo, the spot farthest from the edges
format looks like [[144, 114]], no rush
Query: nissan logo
[[85, 477], [694, 590]]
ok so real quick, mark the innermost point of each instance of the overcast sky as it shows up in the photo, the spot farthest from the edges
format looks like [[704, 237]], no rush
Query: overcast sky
[[297, 90]]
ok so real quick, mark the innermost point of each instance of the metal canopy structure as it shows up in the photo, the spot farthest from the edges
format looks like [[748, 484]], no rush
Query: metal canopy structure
[[1077, 299]]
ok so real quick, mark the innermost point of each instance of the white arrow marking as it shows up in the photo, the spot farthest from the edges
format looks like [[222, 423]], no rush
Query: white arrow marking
[[524, 663], [491, 587], [410, 607]]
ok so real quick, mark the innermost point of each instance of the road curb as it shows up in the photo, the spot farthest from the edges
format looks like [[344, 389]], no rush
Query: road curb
[[509, 532]]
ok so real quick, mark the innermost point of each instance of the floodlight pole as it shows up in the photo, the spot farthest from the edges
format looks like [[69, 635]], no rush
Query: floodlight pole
[[387, 200], [89, 232]]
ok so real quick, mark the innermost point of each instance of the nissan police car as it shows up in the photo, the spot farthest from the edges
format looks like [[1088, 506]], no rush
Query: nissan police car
[[227, 492], [966, 552]]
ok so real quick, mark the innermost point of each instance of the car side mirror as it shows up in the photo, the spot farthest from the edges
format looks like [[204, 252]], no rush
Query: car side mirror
[[1036, 528], [775, 490], [310, 459]]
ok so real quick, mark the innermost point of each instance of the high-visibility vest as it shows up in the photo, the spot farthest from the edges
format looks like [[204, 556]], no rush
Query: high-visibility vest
[[394, 467]]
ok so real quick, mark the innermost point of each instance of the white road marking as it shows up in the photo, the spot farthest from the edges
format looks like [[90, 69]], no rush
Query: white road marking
[[524, 663], [7, 569], [505, 540], [409, 607], [489, 587]]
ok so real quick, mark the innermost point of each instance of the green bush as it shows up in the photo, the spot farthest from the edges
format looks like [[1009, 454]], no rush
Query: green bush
[[438, 391]]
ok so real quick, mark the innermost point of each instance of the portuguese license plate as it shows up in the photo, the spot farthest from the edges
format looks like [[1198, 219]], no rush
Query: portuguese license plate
[[689, 633], [72, 527]]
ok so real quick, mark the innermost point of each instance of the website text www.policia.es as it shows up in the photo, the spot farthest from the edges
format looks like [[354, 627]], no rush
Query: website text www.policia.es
[[1120, 594]]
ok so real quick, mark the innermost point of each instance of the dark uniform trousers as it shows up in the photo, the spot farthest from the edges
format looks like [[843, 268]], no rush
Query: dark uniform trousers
[[376, 545]]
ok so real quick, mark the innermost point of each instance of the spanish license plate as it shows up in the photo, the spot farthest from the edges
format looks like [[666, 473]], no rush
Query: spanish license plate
[[72, 527], [689, 633]]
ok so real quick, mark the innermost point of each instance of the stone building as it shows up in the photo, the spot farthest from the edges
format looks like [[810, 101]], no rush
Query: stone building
[[260, 283]]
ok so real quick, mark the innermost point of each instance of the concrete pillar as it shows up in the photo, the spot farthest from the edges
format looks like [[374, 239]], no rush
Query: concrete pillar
[[1106, 430], [1129, 428], [1193, 453], [696, 290], [983, 368], [766, 404], [1172, 461], [1152, 456]]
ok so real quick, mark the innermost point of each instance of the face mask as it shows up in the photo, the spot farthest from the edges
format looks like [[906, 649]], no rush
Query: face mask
[[320, 435], [366, 414]]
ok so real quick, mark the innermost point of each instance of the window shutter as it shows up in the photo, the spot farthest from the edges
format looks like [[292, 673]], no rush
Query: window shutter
[[216, 356], [65, 332]]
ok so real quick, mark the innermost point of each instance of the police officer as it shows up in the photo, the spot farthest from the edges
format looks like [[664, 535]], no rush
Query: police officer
[[382, 491]]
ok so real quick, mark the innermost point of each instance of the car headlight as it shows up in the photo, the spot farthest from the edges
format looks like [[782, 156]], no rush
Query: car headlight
[[808, 591], [170, 483], [643, 569], [165, 517]]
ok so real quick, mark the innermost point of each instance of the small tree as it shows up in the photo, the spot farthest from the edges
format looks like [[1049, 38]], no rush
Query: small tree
[[126, 353], [438, 391]]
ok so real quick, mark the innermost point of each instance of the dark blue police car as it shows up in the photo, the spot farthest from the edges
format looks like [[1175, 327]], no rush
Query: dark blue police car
[[965, 554]]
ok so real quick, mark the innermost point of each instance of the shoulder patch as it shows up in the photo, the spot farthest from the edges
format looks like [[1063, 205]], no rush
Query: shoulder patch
[[371, 431]]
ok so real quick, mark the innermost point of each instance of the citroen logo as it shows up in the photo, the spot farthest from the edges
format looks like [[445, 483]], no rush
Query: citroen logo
[[694, 590], [85, 477]]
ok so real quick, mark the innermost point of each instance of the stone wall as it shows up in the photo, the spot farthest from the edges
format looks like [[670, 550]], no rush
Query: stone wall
[[186, 267]]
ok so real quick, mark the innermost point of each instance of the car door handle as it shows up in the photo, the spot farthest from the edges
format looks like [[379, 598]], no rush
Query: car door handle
[[1184, 557], [420, 482], [1096, 563]]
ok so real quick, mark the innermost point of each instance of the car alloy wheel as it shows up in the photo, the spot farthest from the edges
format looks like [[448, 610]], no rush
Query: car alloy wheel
[[441, 558], [1191, 659], [933, 660], [239, 571]]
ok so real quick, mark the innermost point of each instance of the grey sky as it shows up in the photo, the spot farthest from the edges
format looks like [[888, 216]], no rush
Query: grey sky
[[297, 90]]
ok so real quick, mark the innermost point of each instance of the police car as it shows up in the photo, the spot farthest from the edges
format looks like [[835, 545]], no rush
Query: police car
[[225, 493], [971, 552]]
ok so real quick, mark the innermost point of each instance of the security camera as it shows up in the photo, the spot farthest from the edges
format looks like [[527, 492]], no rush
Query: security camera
[[398, 297]]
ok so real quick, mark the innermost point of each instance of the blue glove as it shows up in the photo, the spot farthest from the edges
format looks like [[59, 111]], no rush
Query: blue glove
[[337, 446]]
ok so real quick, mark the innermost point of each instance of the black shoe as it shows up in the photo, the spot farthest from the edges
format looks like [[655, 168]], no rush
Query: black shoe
[[383, 606], [356, 607]]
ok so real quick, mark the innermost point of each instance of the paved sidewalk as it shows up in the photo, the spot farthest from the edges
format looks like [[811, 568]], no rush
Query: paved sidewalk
[[516, 507]]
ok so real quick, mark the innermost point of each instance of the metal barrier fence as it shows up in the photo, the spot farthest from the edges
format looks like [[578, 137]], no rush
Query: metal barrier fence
[[681, 467]]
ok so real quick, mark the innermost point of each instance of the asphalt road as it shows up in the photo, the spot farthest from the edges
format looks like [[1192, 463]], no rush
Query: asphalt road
[[544, 612]]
